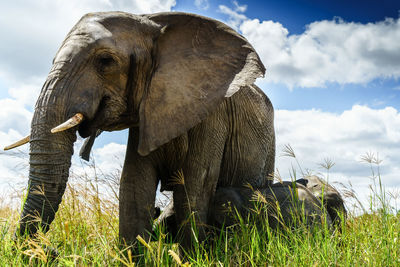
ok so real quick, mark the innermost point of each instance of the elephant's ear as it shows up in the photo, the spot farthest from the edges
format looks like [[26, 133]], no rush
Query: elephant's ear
[[199, 62]]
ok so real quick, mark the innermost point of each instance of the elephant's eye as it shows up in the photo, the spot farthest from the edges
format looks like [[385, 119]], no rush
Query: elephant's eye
[[105, 63]]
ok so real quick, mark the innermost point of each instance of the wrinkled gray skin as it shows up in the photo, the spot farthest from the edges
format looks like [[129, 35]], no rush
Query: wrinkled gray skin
[[293, 206], [313, 192], [303, 206], [167, 77], [328, 195]]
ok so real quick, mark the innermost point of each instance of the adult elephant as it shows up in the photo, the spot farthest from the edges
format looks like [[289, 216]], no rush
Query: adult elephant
[[167, 77]]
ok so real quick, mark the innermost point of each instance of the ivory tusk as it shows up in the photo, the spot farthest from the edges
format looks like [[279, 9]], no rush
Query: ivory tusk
[[72, 122], [21, 142]]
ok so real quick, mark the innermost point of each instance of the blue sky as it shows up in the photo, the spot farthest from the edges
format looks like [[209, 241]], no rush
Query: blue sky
[[296, 14], [333, 70]]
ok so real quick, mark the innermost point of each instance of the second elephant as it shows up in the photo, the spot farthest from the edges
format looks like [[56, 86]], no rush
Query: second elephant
[[284, 204], [287, 203]]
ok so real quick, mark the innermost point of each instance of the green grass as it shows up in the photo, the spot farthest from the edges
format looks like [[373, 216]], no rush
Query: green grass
[[85, 233]]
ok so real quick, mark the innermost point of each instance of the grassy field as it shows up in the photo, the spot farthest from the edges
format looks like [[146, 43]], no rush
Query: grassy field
[[85, 233]]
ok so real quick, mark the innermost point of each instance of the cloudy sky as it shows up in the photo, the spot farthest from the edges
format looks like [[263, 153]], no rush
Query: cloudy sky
[[333, 71]]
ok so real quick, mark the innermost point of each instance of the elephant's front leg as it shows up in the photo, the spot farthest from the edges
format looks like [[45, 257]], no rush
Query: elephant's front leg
[[136, 195]]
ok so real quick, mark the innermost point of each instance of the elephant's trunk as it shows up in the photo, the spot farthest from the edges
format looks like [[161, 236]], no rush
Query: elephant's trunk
[[50, 156]]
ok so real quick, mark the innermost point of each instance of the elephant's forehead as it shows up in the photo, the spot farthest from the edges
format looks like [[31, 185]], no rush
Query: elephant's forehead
[[84, 35], [92, 29]]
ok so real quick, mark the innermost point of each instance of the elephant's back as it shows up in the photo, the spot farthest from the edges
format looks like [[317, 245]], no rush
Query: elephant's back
[[250, 147]]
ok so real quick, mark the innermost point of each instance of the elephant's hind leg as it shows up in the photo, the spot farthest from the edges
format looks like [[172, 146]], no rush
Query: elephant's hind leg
[[201, 171]]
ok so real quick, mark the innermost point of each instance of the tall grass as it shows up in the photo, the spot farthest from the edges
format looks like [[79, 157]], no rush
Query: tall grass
[[85, 233]]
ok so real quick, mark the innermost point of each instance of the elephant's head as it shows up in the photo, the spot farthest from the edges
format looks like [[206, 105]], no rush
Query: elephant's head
[[161, 73], [327, 194]]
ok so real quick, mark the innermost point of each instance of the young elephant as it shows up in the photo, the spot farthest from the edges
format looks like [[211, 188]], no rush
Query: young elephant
[[328, 195], [287, 204]]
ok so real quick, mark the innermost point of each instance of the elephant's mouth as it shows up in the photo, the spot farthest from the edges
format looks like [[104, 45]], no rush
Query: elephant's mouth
[[85, 130], [90, 125], [107, 120]]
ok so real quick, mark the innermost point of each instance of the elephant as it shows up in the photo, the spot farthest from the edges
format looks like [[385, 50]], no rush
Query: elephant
[[287, 204], [184, 86], [328, 195]]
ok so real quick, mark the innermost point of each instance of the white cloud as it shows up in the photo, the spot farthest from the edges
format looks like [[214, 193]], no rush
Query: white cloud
[[111, 156], [235, 18], [14, 116], [239, 8], [328, 51], [26, 92], [344, 138], [202, 4]]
